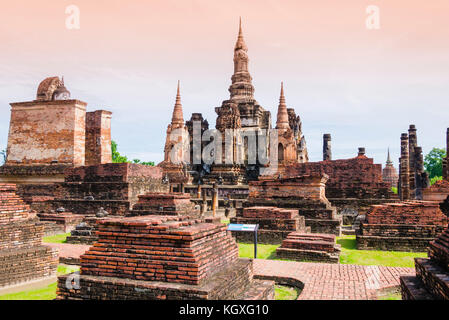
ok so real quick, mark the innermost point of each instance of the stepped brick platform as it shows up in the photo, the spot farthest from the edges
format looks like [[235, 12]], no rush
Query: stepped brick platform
[[114, 187], [303, 193], [164, 257], [432, 275], [354, 183], [85, 232], [22, 256], [407, 226], [274, 223], [309, 247], [157, 203], [65, 222]]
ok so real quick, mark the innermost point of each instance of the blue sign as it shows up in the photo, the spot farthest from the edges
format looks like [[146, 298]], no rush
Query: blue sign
[[243, 227]]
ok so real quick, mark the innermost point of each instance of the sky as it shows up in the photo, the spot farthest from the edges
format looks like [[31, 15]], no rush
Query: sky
[[363, 86]]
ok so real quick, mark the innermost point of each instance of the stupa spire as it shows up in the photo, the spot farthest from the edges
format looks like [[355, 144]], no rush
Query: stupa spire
[[389, 162], [178, 117], [282, 116], [241, 88]]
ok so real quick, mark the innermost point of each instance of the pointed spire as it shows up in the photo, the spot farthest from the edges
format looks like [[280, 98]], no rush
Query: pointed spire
[[240, 44], [178, 117], [282, 116], [241, 89], [388, 158]]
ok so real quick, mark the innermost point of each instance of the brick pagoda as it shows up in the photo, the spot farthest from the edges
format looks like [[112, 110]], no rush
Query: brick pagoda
[[164, 257], [23, 258]]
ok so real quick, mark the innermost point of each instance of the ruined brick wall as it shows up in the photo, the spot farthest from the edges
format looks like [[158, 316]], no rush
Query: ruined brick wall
[[22, 255], [423, 213], [356, 178], [113, 186], [98, 137], [407, 226], [42, 132]]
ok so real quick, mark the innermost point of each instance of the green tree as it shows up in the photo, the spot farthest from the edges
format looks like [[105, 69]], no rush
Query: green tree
[[118, 158], [3, 156], [433, 162]]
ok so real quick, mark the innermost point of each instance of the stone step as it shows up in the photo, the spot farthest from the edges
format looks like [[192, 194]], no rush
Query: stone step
[[434, 277], [413, 289]]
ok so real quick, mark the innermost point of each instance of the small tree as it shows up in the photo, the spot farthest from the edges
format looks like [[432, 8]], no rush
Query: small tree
[[118, 158], [3, 156], [433, 162]]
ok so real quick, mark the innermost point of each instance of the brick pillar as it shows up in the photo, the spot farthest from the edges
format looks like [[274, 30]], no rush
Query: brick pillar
[[412, 144], [98, 138], [327, 151], [446, 160], [404, 171], [420, 175], [361, 152]]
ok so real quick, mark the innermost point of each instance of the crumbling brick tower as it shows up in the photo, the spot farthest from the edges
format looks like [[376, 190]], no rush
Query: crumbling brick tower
[[22, 255], [164, 257], [413, 179]]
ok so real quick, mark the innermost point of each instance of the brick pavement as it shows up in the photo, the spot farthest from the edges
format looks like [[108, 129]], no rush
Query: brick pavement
[[69, 253], [323, 281]]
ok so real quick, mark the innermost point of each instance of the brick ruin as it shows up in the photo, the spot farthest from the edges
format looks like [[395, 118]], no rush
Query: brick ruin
[[115, 187], [310, 247], [275, 224], [432, 274], [23, 258], [164, 257], [413, 223], [413, 179], [306, 194], [52, 133], [168, 204], [407, 226], [353, 185]]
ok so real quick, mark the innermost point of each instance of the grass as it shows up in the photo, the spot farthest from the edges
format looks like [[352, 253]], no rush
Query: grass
[[285, 293], [391, 296], [46, 293], [59, 238], [350, 255], [264, 251]]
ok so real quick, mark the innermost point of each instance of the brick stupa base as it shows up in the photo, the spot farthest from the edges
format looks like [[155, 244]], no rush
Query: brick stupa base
[[85, 232], [310, 247], [167, 204], [22, 256], [164, 257], [59, 222], [274, 224], [407, 226], [432, 275], [306, 194]]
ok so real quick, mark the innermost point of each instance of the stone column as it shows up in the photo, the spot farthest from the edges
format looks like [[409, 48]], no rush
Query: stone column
[[446, 160], [214, 199], [421, 176], [412, 144], [404, 171], [327, 151]]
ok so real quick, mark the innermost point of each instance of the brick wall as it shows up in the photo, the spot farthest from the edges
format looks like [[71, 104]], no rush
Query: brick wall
[[348, 178], [98, 137], [22, 256]]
